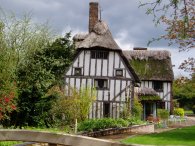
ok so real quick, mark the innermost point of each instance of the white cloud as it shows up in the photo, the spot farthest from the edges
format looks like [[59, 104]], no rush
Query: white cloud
[[128, 23]]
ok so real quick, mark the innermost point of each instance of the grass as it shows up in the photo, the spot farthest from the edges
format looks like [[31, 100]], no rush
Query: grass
[[9, 143], [182, 136]]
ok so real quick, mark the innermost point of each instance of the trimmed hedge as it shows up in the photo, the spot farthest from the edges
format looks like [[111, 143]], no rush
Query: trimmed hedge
[[105, 123]]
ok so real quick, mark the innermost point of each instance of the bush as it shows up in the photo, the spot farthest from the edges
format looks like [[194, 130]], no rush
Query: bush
[[193, 109], [178, 112], [137, 109], [163, 114], [134, 121], [104, 123]]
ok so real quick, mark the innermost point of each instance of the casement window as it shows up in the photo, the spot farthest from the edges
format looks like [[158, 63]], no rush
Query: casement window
[[77, 71], [119, 72], [158, 86], [99, 55], [101, 83]]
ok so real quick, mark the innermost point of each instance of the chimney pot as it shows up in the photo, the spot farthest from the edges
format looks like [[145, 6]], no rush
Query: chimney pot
[[93, 15]]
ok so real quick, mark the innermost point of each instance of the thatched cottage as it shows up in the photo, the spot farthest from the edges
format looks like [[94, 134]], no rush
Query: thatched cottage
[[154, 68], [101, 63]]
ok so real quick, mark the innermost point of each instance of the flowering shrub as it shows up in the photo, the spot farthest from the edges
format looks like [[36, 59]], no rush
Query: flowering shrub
[[7, 100]]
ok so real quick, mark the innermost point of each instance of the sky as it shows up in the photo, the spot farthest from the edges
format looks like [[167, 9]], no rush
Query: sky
[[129, 24]]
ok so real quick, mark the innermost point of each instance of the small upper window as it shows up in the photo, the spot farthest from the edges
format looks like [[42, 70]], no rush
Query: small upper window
[[101, 83], [119, 72], [77, 71], [158, 86], [99, 55]]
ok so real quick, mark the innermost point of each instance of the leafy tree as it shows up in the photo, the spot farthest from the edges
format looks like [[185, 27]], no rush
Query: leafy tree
[[41, 71], [7, 78], [19, 39], [178, 17], [184, 91]]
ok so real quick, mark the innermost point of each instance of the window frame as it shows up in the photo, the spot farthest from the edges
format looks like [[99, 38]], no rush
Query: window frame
[[76, 74], [96, 84], [117, 71], [99, 54], [158, 86]]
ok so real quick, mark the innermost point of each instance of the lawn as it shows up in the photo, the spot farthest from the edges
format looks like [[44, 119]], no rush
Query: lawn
[[182, 136], [9, 143]]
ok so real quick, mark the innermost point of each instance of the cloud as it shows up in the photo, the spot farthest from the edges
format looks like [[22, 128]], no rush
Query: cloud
[[130, 26]]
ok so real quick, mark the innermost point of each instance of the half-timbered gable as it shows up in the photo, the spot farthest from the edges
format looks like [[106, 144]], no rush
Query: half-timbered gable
[[100, 63], [154, 69]]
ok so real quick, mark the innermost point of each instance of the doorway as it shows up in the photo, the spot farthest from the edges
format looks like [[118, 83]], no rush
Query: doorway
[[106, 108]]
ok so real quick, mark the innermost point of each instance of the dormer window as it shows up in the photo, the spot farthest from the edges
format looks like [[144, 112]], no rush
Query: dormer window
[[77, 71], [99, 55], [158, 86], [119, 73]]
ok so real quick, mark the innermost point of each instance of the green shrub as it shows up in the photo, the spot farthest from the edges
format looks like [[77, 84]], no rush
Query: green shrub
[[178, 112], [137, 109], [134, 121], [105, 123], [163, 114], [193, 109]]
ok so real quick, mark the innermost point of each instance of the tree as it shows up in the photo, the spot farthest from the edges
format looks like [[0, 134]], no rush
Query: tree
[[179, 19], [7, 78], [19, 39], [42, 70], [184, 91]]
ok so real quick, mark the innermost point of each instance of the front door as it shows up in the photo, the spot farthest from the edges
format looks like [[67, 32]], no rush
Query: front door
[[148, 109]]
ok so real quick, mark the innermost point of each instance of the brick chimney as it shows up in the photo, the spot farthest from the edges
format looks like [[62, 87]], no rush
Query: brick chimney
[[93, 15]]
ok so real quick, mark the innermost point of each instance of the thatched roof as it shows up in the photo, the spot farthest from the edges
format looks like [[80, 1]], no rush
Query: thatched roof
[[151, 65], [99, 37], [147, 91], [148, 94]]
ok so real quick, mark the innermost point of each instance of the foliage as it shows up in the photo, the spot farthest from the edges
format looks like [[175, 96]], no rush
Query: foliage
[[137, 108], [188, 65], [163, 114], [193, 109], [179, 112], [8, 143], [184, 91], [178, 16], [134, 121], [8, 89], [126, 112], [22, 36], [104, 123], [19, 38], [76, 106], [40, 71], [181, 136], [151, 97]]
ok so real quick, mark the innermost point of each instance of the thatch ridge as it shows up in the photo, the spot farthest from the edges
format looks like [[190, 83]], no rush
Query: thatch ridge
[[145, 54], [99, 37]]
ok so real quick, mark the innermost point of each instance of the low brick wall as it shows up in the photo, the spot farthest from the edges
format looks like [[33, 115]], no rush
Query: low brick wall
[[113, 131]]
